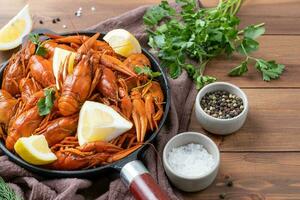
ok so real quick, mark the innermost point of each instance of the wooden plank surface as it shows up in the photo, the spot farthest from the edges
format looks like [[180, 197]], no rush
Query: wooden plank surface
[[49, 9], [263, 157], [255, 176], [274, 47], [280, 16]]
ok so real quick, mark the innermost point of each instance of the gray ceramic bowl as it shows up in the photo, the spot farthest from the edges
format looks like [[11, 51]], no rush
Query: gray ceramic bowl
[[197, 183], [221, 126]]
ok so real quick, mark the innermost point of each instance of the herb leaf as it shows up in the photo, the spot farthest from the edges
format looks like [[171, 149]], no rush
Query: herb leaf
[[147, 71], [201, 81], [6, 192], [46, 103], [247, 46], [41, 51], [254, 32], [240, 69], [174, 70], [269, 69], [35, 39], [157, 13]]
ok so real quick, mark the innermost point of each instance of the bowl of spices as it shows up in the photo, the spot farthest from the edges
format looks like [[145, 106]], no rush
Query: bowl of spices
[[191, 161], [221, 108]]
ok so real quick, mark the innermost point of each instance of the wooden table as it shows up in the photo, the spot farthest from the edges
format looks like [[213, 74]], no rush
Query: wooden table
[[263, 158]]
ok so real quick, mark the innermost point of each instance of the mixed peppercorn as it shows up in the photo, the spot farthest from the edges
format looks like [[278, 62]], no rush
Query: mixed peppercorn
[[222, 104]]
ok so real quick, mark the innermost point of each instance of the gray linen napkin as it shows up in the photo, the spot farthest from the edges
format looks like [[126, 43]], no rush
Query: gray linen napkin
[[183, 92]]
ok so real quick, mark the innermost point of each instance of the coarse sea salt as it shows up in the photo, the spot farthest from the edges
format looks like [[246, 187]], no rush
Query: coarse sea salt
[[190, 160]]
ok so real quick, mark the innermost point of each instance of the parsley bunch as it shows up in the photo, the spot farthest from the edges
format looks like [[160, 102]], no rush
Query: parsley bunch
[[202, 34]]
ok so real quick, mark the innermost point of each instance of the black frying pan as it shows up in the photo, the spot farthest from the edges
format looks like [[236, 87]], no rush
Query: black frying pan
[[133, 172]]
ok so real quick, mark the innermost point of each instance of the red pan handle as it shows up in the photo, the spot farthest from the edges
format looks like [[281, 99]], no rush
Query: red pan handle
[[141, 184]]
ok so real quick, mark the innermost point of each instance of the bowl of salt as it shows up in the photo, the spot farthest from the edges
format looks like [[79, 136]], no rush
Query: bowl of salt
[[191, 161]]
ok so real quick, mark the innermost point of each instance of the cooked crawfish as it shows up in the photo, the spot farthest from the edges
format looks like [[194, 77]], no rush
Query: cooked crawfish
[[136, 60], [139, 115], [41, 70], [89, 155], [28, 86], [115, 64], [154, 97], [78, 39], [126, 103], [50, 45], [23, 126], [73, 161], [76, 88], [58, 129], [99, 146], [28, 48], [123, 153], [88, 44], [7, 107], [13, 74], [33, 99], [108, 84], [104, 48]]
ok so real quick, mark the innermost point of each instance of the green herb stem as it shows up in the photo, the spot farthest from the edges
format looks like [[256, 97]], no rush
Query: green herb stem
[[255, 26], [203, 66], [244, 50], [237, 7]]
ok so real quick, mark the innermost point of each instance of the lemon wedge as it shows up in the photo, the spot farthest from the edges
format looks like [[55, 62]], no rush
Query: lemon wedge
[[99, 122], [123, 42], [12, 33], [63, 60], [35, 150]]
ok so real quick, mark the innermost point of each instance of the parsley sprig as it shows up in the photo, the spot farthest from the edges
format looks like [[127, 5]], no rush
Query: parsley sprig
[[146, 71], [35, 39], [46, 103], [202, 34], [269, 69]]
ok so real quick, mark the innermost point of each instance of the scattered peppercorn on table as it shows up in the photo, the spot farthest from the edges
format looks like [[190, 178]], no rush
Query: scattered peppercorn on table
[[260, 161]]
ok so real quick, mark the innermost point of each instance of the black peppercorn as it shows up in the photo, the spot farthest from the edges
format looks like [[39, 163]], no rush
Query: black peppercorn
[[41, 22], [229, 183], [222, 196], [53, 21]]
